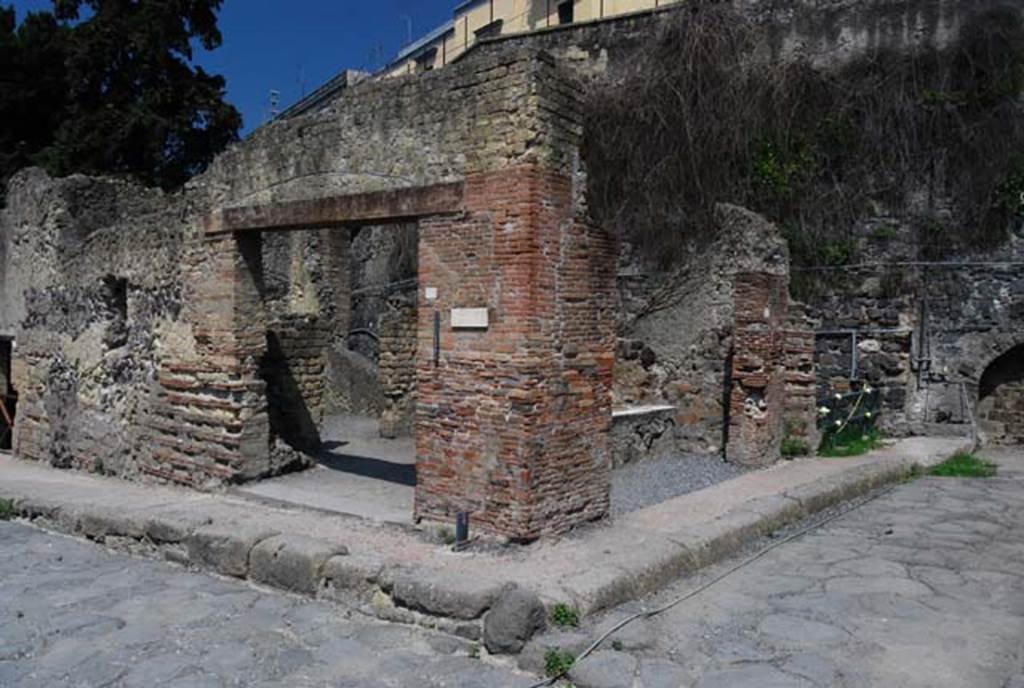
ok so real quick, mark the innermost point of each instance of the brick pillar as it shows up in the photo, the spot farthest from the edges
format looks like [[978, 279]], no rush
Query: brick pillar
[[801, 395], [757, 397], [513, 420], [208, 421]]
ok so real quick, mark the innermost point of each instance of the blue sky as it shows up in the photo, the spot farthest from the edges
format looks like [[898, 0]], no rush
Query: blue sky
[[293, 46]]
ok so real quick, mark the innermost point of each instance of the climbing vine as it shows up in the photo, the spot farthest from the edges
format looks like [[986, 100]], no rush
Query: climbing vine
[[705, 114]]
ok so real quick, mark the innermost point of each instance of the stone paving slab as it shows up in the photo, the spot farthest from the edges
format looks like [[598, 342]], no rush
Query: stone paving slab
[[400, 575]]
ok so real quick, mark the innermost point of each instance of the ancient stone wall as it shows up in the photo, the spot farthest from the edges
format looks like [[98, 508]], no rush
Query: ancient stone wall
[[922, 332], [91, 294], [397, 366], [825, 33]]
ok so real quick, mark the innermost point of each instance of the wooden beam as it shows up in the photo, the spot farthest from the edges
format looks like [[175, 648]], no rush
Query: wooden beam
[[376, 207]]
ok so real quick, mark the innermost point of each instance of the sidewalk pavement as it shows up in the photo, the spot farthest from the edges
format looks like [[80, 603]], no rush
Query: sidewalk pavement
[[400, 574]]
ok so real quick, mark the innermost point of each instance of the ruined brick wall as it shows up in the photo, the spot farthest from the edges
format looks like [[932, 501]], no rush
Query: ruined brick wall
[[397, 366], [676, 329]]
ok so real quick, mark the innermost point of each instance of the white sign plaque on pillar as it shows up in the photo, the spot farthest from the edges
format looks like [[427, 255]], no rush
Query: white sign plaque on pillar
[[469, 319]]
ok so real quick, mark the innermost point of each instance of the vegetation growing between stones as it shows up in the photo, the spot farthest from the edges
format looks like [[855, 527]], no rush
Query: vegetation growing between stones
[[964, 465], [565, 616], [707, 114], [7, 510], [557, 662]]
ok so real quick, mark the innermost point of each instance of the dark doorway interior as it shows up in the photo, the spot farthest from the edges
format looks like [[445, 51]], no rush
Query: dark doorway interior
[[1001, 398], [8, 396]]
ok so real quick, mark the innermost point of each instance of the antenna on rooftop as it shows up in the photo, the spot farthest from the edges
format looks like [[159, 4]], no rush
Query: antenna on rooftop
[[408, 28], [275, 103]]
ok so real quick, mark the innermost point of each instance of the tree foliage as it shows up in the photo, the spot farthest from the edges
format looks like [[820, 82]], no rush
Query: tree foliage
[[109, 87]]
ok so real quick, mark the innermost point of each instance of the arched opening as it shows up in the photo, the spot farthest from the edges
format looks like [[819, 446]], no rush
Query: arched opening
[[1001, 399]]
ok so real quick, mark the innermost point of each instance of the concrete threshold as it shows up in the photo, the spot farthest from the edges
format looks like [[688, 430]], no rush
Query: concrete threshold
[[398, 575]]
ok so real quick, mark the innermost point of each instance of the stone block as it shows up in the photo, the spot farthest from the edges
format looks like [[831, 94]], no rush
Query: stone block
[[452, 596], [292, 562], [224, 547]]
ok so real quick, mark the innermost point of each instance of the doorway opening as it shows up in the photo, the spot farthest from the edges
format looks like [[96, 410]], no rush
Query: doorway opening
[[340, 367]]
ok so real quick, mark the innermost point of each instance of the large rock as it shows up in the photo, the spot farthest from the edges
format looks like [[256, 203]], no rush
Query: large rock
[[512, 621]]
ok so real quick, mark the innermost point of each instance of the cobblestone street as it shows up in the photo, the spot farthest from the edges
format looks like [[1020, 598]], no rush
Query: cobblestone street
[[72, 614], [921, 587]]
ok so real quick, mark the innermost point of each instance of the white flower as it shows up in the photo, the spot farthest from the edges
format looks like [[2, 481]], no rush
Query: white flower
[[838, 422], [838, 395], [867, 389], [824, 410], [868, 414]]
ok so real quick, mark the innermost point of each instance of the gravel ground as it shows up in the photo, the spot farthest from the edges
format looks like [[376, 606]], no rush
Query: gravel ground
[[649, 482]]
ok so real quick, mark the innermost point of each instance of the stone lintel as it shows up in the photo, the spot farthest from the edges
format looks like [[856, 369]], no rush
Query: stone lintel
[[393, 205]]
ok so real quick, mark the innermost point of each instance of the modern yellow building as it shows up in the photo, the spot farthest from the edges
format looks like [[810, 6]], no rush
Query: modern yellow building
[[477, 19]]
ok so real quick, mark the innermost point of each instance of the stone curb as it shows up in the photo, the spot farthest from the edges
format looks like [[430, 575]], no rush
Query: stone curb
[[624, 565], [661, 560]]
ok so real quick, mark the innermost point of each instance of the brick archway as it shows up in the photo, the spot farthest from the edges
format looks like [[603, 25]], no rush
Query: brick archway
[[1000, 398]]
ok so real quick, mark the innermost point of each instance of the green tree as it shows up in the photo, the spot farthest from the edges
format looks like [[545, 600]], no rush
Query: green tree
[[33, 94], [122, 95]]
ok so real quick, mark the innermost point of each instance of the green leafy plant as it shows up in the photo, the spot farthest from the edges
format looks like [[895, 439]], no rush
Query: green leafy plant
[[849, 423], [565, 616], [474, 651], [558, 662], [7, 510], [964, 465], [446, 535]]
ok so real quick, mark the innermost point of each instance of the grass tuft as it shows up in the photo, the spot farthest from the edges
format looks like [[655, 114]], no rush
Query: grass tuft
[[564, 616], [7, 510], [557, 662], [964, 465]]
